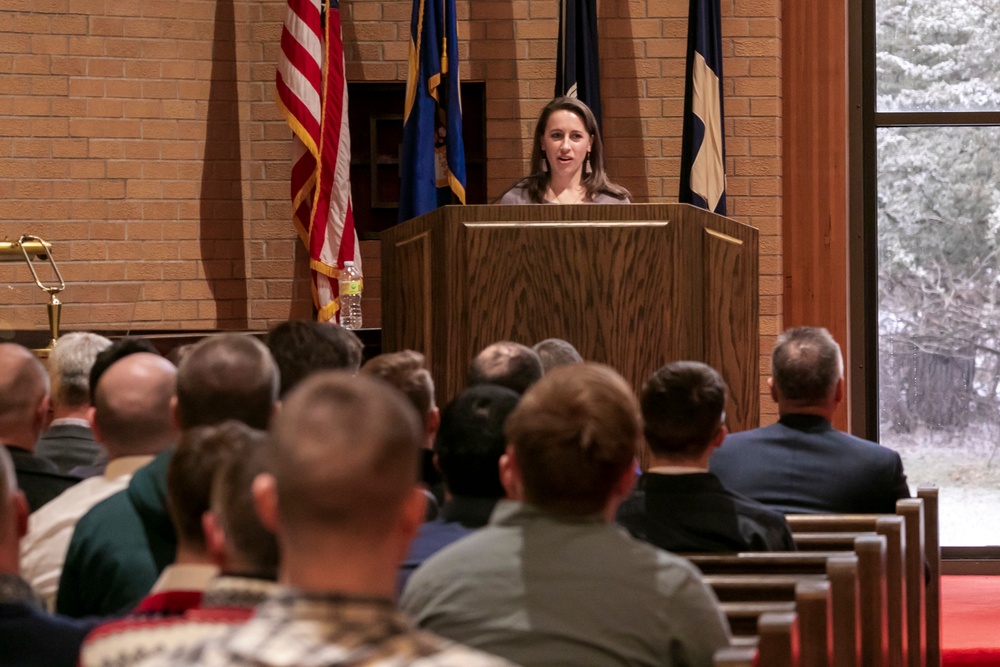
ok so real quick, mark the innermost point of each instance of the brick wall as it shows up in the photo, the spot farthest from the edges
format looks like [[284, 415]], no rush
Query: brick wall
[[142, 140], [511, 45]]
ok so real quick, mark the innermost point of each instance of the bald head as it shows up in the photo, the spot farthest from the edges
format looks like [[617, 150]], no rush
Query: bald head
[[24, 394], [507, 364], [132, 406], [344, 455]]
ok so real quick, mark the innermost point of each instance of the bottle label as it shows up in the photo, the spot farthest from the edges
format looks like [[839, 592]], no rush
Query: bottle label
[[351, 287]]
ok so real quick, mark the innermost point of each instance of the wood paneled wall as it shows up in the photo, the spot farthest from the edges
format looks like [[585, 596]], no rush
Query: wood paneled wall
[[814, 222]]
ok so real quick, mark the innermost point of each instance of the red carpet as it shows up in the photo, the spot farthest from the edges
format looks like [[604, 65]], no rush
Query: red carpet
[[970, 620]]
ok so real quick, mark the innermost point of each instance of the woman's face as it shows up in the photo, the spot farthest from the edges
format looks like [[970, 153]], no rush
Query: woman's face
[[565, 143]]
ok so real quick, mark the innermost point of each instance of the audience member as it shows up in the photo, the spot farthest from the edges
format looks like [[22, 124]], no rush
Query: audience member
[[29, 635], [301, 348], [554, 352], [550, 579], [342, 490], [69, 442], [119, 349], [131, 419], [406, 371], [507, 364], [678, 504], [24, 409], [802, 464], [218, 531], [468, 448], [122, 544]]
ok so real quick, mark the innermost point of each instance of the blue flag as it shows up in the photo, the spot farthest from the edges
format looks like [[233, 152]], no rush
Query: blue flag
[[433, 161], [577, 70], [703, 147]]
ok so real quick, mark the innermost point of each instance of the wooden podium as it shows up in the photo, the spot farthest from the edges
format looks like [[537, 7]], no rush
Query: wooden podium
[[631, 286]]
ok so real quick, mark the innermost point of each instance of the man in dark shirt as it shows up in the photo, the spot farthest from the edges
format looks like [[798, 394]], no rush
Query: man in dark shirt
[[24, 407], [29, 635], [678, 505], [467, 450], [802, 464]]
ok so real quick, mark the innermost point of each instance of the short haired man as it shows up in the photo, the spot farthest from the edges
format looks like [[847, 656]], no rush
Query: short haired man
[[69, 442], [556, 352], [302, 347], [678, 505], [226, 562], [29, 635], [131, 419], [342, 490], [467, 450], [507, 364], [406, 371], [802, 464], [550, 579], [122, 544], [24, 410]]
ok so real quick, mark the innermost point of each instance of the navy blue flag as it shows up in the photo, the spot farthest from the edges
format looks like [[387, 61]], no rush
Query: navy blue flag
[[433, 161], [703, 147], [577, 71]]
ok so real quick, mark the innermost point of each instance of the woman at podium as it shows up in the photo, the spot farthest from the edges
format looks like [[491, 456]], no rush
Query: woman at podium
[[567, 161]]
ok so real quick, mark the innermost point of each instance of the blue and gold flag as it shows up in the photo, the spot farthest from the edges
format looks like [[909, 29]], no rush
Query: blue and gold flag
[[703, 147], [433, 161]]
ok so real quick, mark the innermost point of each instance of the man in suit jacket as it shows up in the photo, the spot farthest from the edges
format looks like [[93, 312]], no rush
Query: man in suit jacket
[[69, 441], [802, 464]]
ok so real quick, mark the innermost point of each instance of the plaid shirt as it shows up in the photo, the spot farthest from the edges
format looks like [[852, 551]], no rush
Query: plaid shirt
[[326, 630]]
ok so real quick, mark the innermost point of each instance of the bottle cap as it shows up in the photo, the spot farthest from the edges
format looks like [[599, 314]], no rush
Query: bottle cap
[[347, 264]]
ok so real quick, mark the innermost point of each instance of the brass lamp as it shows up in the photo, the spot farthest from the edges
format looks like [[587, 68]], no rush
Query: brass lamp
[[30, 247]]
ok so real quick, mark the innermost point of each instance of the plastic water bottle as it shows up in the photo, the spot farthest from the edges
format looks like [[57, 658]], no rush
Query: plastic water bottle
[[351, 284]]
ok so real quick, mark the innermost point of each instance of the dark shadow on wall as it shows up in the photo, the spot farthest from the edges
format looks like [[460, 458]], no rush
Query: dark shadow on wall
[[623, 117], [222, 240]]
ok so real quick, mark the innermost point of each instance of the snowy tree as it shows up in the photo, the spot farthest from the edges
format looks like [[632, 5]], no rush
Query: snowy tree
[[938, 214]]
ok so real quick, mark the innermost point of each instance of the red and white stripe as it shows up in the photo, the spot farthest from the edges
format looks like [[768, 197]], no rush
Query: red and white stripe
[[312, 96]]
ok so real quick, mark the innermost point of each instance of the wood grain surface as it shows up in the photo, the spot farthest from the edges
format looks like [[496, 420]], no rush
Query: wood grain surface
[[633, 287]]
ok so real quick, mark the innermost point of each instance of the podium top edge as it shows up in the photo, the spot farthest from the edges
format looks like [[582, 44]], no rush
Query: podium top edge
[[571, 223]]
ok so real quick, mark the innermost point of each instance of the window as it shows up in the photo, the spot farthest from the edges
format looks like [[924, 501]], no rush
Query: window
[[933, 134]]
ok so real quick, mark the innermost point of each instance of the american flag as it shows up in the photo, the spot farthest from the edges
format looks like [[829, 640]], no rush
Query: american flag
[[312, 97]]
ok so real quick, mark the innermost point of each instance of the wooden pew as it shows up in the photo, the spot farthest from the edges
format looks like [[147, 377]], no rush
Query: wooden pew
[[736, 656], [842, 571], [912, 511], [906, 612], [757, 587], [769, 578], [744, 615], [812, 605], [872, 607], [932, 551], [778, 645], [861, 620]]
